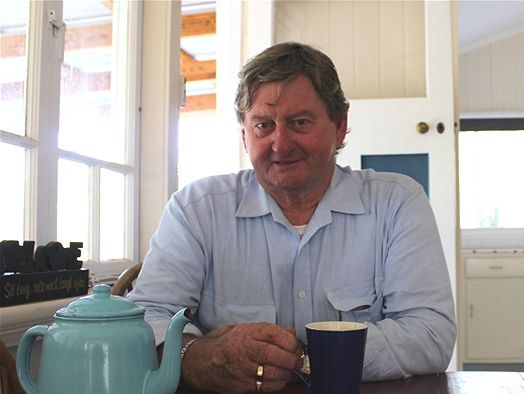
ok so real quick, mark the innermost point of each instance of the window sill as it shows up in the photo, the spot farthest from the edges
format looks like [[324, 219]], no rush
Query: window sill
[[17, 319], [493, 240]]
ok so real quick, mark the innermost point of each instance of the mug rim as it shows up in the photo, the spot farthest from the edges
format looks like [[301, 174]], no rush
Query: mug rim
[[336, 326]]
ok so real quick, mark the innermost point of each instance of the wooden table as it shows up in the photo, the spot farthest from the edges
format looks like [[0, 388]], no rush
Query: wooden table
[[451, 383]]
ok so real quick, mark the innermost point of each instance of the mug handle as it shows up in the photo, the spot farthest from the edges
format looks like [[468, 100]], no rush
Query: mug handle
[[23, 357], [304, 373]]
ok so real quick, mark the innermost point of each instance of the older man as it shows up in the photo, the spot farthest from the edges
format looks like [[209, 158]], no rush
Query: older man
[[258, 254]]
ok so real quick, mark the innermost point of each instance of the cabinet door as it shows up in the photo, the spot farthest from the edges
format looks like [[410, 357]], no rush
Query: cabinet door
[[495, 319]]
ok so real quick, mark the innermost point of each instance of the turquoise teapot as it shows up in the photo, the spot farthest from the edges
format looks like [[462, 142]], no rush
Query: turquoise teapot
[[102, 344]]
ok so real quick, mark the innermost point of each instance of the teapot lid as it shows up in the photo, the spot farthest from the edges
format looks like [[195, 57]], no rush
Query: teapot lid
[[100, 305]]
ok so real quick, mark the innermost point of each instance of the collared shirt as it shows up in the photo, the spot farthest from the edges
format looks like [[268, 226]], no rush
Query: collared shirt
[[371, 253]]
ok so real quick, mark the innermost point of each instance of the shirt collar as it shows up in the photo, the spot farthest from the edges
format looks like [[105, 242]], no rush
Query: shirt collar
[[343, 195], [254, 201], [345, 192]]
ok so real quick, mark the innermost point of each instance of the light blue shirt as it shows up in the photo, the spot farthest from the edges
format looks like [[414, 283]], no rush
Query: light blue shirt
[[371, 252]]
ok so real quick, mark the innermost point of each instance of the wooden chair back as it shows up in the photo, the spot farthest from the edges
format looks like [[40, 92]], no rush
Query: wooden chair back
[[9, 383], [125, 281]]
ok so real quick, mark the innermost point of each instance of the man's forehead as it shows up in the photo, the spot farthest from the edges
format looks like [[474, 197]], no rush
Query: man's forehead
[[269, 93]]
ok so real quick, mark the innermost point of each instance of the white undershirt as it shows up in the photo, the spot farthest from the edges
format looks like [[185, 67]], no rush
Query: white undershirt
[[301, 229]]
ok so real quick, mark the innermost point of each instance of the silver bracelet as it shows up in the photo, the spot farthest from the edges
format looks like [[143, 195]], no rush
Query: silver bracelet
[[186, 347]]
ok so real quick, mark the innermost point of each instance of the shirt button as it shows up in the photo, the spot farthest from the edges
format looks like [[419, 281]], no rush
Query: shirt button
[[301, 294]]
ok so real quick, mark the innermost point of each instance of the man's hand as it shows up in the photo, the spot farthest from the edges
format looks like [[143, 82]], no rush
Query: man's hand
[[226, 360]]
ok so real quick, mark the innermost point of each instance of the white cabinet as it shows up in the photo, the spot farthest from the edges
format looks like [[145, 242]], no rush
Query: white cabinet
[[494, 309]]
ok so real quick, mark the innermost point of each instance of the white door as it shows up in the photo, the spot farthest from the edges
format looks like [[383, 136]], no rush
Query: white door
[[389, 126]]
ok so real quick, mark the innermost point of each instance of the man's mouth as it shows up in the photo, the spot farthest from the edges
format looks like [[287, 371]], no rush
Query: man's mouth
[[285, 162]]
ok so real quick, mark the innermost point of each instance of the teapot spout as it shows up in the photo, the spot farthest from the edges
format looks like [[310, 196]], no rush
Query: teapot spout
[[166, 378]]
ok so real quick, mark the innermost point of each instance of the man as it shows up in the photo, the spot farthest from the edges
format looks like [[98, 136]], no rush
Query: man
[[258, 254]]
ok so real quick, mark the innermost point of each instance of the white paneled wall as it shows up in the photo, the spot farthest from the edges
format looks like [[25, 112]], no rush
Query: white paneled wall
[[492, 77], [377, 47]]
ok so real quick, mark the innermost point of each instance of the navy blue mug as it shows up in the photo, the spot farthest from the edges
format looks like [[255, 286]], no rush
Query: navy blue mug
[[335, 350]]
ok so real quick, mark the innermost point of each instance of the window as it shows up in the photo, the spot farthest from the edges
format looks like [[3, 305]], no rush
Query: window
[[491, 191], [12, 175], [209, 145], [68, 128], [219, 146], [491, 163], [13, 83]]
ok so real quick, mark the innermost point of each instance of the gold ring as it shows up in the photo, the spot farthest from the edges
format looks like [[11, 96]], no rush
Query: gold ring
[[260, 371], [259, 386]]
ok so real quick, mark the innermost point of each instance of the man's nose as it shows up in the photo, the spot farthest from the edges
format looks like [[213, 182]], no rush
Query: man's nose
[[283, 141]]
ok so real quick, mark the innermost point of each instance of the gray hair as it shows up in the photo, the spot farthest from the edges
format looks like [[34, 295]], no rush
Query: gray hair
[[283, 62]]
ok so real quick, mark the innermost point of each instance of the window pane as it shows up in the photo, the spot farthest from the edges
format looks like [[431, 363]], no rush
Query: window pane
[[86, 97], [112, 212], [73, 206], [12, 186], [219, 153], [491, 190], [13, 65]]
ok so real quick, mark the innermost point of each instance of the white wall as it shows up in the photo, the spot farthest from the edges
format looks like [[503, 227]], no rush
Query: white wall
[[161, 91], [377, 47]]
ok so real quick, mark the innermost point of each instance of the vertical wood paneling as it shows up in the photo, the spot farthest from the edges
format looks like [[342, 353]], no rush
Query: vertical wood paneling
[[484, 95], [477, 74], [378, 49], [492, 77], [414, 49], [519, 77], [392, 48], [503, 65], [318, 33], [463, 82], [290, 19], [342, 32], [367, 53]]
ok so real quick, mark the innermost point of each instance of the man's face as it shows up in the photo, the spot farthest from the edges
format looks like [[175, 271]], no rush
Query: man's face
[[290, 138]]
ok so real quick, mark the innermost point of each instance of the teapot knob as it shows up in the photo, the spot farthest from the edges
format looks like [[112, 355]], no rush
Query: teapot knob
[[101, 291]]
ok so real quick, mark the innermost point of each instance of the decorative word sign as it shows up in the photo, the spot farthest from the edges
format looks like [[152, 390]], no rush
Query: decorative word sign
[[51, 257], [53, 272]]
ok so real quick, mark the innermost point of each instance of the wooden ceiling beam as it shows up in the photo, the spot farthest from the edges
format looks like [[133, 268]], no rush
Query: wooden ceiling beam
[[195, 70], [198, 24], [100, 36], [200, 102], [108, 4]]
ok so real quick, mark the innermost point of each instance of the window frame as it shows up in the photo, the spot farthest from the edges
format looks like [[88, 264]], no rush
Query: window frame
[[44, 58]]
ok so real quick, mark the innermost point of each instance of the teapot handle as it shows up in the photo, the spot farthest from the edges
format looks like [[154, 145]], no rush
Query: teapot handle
[[23, 357]]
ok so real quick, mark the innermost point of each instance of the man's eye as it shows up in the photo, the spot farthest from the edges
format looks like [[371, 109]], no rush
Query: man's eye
[[264, 127], [299, 124]]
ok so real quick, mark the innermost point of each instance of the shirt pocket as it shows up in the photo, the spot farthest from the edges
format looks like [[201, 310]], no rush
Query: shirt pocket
[[355, 307], [214, 312]]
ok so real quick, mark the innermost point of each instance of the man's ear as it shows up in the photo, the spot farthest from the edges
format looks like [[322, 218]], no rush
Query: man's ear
[[342, 129], [243, 131]]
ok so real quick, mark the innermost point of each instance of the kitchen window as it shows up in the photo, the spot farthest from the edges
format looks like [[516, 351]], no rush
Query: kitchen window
[[491, 190], [69, 111]]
